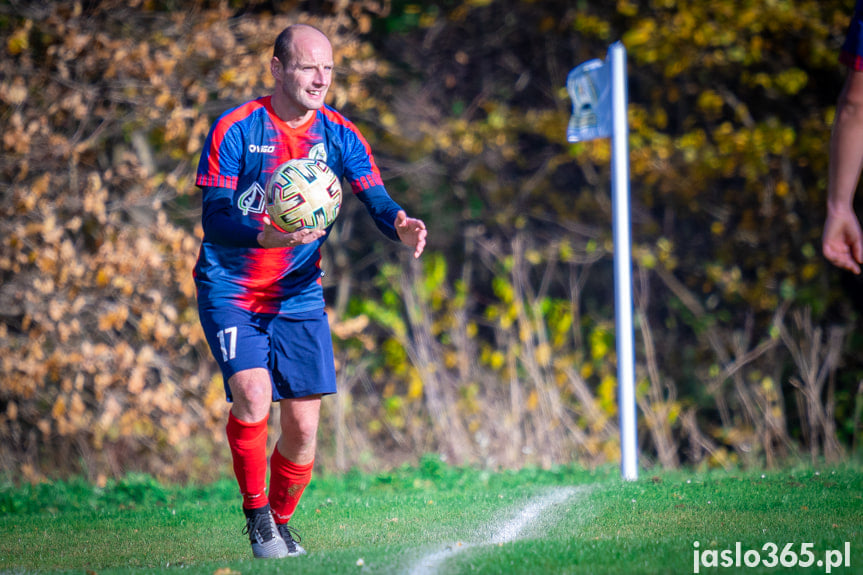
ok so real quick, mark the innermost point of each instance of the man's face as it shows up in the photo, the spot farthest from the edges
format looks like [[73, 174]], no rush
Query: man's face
[[303, 82]]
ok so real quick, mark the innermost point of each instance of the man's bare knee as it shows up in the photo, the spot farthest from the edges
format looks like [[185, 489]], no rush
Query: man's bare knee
[[303, 430], [252, 394]]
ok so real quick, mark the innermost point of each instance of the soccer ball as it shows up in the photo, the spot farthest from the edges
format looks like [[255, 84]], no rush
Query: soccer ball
[[302, 194]]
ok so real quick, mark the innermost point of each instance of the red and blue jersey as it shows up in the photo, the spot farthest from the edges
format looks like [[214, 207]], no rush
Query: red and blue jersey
[[852, 49], [244, 146]]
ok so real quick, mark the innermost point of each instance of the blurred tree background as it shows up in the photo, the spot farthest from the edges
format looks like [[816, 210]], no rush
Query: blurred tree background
[[495, 349]]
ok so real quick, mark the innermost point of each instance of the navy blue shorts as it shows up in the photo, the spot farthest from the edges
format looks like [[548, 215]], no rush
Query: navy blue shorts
[[296, 349]]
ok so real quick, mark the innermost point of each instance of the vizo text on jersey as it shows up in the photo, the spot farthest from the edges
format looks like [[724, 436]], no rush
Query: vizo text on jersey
[[256, 149]]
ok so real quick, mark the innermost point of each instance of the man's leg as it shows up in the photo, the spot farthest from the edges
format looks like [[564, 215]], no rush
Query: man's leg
[[247, 433], [247, 437], [292, 461], [299, 427]]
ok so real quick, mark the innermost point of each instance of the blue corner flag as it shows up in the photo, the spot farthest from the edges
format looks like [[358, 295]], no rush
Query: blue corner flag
[[589, 87]]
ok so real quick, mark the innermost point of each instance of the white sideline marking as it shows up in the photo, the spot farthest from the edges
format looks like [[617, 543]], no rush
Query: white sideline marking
[[509, 531]]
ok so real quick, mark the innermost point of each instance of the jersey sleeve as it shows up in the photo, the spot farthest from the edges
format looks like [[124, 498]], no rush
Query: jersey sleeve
[[219, 227], [852, 49], [360, 168], [382, 208], [218, 176], [367, 184], [219, 166]]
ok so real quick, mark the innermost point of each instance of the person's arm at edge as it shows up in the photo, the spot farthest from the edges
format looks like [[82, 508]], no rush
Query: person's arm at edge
[[842, 241]]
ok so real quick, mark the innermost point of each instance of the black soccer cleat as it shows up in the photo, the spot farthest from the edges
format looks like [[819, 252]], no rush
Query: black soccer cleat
[[263, 535]]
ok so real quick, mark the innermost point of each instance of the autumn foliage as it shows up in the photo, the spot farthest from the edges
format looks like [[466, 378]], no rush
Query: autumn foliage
[[498, 347]]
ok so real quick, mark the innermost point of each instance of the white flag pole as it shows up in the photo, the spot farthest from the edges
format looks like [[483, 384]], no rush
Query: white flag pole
[[599, 106], [623, 264]]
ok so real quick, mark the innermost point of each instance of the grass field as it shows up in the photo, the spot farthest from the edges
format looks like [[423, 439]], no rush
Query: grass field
[[437, 519]]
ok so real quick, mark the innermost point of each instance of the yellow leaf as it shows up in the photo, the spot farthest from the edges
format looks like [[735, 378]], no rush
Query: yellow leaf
[[59, 408], [19, 41], [497, 359], [543, 354], [607, 392], [415, 387], [598, 344], [532, 400]]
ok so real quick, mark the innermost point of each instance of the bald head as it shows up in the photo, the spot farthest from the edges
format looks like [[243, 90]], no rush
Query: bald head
[[283, 48]]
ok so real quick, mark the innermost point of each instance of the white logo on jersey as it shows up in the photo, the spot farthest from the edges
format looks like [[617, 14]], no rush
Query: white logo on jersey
[[318, 152], [256, 149], [252, 200]]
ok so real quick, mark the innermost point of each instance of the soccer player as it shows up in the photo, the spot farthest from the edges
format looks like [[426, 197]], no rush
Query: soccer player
[[842, 241], [260, 298]]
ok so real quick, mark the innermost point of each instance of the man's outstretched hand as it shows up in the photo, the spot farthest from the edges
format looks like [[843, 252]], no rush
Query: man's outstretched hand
[[412, 232], [842, 241]]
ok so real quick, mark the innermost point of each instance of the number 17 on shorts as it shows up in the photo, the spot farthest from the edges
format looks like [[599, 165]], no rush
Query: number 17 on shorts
[[228, 343]]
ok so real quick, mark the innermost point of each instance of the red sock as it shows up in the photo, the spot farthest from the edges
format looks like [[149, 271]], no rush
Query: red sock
[[248, 442], [287, 482]]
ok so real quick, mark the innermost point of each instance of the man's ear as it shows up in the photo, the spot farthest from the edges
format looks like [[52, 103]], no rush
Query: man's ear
[[276, 69]]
